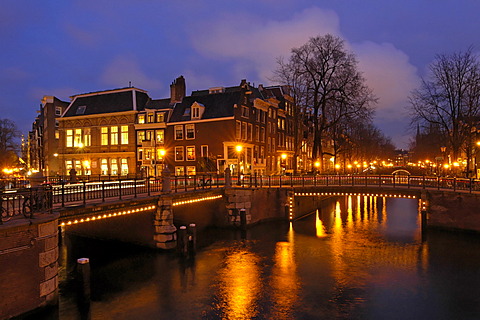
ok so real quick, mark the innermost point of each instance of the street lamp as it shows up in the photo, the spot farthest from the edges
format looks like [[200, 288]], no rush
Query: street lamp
[[283, 163], [162, 153], [239, 149]]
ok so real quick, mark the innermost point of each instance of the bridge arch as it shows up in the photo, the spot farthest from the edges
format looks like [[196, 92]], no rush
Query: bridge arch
[[401, 172]]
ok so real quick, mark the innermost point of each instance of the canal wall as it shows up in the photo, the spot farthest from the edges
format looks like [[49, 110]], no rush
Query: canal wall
[[29, 265], [453, 211]]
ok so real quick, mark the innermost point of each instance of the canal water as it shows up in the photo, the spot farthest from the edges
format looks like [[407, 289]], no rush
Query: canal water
[[353, 258]]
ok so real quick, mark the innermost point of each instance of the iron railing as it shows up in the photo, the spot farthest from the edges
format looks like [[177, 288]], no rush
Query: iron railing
[[25, 202], [29, 201]]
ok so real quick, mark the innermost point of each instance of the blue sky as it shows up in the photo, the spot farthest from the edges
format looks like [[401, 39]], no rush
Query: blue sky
[[63, 48]]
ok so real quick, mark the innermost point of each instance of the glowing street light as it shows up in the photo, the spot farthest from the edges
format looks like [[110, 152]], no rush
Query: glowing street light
[[239, 149]]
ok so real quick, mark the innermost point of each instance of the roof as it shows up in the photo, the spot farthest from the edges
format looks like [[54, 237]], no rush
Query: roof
[[217, 105], [110, 101]]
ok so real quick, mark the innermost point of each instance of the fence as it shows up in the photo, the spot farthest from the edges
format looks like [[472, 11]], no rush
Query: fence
[[29, 201]]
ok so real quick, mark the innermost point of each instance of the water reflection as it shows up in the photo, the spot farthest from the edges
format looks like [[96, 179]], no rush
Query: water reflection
[[354, 258], [239, 284], [284, 284]]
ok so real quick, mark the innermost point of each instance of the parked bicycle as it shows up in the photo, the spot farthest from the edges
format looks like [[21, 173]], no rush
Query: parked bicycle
[[37, 201], [5, 214]]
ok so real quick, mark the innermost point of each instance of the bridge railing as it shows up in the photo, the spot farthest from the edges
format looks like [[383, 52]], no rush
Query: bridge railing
[[29, 201], [25, 202]]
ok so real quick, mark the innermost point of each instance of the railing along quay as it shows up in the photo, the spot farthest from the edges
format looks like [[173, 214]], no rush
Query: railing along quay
[[29, 201]]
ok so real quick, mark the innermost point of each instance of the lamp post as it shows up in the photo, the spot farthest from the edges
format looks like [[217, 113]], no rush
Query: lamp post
[[239, 149], [283, 163], [443, 149], [161, 153]]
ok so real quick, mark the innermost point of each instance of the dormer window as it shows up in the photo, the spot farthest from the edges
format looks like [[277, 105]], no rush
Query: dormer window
[[81, 109], [197, 111]]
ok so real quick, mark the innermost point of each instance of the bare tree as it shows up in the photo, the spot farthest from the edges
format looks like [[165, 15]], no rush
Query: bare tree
[[8, 143], [449, 98], [325, 78]]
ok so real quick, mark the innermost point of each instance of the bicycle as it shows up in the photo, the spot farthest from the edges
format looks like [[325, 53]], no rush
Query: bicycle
[[5, 215], [36, 202]]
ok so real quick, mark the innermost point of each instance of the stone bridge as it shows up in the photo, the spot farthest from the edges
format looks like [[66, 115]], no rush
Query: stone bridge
[[143, 214]]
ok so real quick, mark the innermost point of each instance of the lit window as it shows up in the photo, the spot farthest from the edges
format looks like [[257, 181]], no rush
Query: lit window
[[140, 136], [160, 136], [160, 117], [179, 154], [179, 171], [104, 136], [178, 132], [114, 166], [69, 138], [191, 153], [104, 167], [141, 118], [191, 171], [190, 131], [77, 139], [113, 135], [124, 135], [87, 137], [68, 165], [150, 118], [124, 167]]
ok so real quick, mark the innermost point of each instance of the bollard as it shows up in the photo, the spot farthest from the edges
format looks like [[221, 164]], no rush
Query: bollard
[[182, 243], [243, 219], [83, 270], [192, 238]]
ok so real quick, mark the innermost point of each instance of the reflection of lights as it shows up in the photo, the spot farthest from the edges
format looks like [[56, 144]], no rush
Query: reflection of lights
[[319, 227], [240, 284]]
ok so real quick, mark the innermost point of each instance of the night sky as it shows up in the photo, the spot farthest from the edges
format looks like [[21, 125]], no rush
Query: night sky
[[63, 48]]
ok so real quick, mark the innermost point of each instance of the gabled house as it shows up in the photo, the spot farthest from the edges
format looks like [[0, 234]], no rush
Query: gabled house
[[97, 133]]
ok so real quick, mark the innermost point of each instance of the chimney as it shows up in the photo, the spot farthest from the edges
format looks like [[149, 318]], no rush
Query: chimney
[[177, 90]]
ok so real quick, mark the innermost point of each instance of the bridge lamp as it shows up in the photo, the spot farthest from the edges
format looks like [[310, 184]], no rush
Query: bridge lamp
[[239, 149], [349, 166]]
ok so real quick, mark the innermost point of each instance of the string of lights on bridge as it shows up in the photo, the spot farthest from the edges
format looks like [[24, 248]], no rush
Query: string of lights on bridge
[[137, 210], [308, 194], [107, 215]]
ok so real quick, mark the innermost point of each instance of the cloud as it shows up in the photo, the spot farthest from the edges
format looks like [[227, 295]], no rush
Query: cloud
[[251, 44], [124, 70], [255, 43], [390, 74]]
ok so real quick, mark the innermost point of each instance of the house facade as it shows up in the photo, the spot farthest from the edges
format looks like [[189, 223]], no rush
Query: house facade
[[97, 133], [123, 132]]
